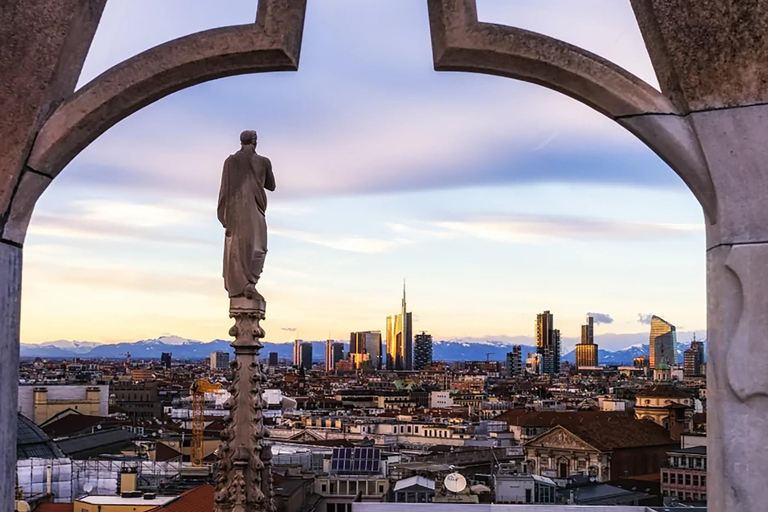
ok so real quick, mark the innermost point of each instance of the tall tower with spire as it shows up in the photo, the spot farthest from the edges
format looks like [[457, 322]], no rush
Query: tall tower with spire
[[400, 339]]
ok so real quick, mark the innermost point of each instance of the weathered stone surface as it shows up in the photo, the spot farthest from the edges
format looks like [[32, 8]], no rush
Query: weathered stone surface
[[461, 43], [10, 301], [30, 188], [672, 138], [736, 394], [733, 142], [707, 53], [43, 44], [271, 44]]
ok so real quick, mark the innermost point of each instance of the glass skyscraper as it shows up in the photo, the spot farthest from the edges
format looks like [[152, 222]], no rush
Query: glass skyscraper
[[400, 339], [548, 343], [663, 342], [365, 349], [586, 351]]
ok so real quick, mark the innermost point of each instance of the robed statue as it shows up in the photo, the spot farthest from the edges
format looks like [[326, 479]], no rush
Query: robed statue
[[242, 207]]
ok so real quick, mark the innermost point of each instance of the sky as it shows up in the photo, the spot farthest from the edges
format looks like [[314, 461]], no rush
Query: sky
[[495, 199]]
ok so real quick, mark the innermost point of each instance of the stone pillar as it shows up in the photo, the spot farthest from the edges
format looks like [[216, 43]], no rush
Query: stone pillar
[[244, 478], [733, 140], [10, 295]]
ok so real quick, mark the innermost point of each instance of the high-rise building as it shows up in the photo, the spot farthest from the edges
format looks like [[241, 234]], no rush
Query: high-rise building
[[337, 353], [662, 343], [297, 352], [422, 351], [365, 350], [548, 343], [515, 361], [693, 359], [400, 339], [586, 351], [165, 360], [329, 355], [305, 355], [219, 360]]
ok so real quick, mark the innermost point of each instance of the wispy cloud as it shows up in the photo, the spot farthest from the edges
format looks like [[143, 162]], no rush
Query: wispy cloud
[[544, 229], [601, 318], [644, 318]]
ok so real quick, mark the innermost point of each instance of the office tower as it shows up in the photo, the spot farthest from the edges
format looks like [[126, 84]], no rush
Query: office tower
[[297, 352], [165, 359], [586, 351], [305, 355], [329, 355], [640, 362], [219, 360], [663, 342], [515, 361], [422, 351], [548, 343], [693, 359], [400, 339], [337, 353], [273, 359], [365, 349]]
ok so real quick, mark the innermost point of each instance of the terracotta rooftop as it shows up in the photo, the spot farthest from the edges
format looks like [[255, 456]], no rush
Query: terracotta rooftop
[[199, 499], [55, 507], [526, 418], [663, 391], [615, 433]]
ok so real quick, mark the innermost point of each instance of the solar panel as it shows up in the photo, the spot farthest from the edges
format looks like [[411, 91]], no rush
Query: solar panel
[[356, 460]]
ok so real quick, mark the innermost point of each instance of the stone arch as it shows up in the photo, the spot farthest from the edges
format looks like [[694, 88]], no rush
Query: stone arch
[[271, 43], [461, 43]]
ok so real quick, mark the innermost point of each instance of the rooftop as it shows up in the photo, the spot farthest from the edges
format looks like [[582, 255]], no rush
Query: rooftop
[[32, 442]]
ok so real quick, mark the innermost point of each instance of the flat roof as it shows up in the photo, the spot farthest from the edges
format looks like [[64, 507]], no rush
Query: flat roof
[[118, 500]]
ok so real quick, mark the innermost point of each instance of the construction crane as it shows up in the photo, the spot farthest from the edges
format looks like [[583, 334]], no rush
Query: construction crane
[[197, 391]]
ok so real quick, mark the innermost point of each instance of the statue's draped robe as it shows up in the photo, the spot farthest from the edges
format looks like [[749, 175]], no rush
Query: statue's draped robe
[[241, 210]]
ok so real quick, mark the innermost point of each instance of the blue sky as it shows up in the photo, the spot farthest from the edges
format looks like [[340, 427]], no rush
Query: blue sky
[[495, 198]]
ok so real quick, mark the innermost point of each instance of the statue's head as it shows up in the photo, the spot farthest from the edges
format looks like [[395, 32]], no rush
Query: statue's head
[[249, 137]]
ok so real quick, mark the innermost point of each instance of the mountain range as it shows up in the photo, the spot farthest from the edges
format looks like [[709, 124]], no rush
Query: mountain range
[[465, 349]]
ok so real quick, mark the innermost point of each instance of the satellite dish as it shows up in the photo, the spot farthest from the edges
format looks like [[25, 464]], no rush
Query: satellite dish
[[22, 506], [455, 482], [88, 487]]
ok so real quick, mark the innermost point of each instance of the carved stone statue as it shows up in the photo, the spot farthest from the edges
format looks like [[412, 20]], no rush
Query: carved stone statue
[[242, 207]]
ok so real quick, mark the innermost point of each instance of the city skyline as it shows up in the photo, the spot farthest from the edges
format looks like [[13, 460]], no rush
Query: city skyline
[[498, 196]]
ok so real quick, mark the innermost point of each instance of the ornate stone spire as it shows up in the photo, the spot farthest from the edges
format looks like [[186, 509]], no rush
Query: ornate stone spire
[[244, 478]]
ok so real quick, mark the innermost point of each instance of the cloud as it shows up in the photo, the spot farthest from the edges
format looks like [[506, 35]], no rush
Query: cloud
[[289, 329], [644, 318], [601, 318], [358, 244], [542, 229]]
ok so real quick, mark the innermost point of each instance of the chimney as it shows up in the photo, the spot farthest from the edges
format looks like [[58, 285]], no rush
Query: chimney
[[128, 478]]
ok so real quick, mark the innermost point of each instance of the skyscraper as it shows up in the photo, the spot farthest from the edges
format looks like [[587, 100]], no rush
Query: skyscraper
[[329, 355], [365, 349], [662, 343], [693, 359], [165, 359], [515, 361], [337, 353], [273, 359], [305, 355], [422, 351], [548, 343], [400, 339], [297, 352], [586, 351]]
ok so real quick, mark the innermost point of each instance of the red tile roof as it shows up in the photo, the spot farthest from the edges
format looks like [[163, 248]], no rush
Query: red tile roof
[[55, 507], [199, 499]]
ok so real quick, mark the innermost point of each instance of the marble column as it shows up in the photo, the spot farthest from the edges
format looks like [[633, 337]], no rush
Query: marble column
[[244, 479]]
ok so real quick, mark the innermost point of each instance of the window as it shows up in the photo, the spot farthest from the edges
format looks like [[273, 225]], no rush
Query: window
[[687, 479], [664, 477], [415, 430], [696, 480], [324, 488], [703, 481], [672, 478], [381, 489]]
